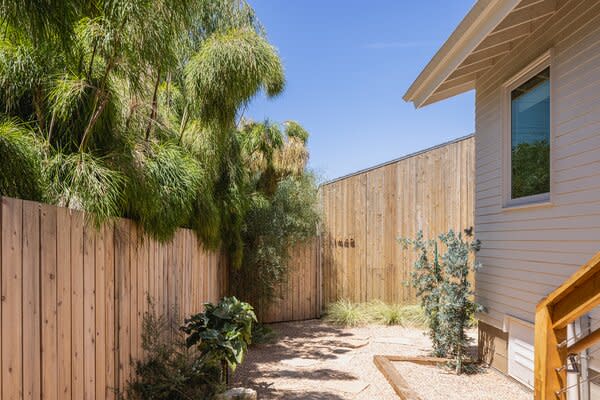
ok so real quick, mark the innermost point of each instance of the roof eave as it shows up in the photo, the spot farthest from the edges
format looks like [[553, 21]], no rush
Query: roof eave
[[472, 30]]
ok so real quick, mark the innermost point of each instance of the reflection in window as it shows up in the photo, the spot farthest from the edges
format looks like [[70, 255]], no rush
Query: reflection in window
[[530, 137]]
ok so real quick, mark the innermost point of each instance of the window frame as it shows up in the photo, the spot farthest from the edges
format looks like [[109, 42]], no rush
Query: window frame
[[541, 199]]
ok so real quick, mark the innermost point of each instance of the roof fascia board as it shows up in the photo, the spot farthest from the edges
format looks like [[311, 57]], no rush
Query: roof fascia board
[[475, 33]]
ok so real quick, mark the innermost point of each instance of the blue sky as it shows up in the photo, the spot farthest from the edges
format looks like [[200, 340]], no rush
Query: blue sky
[[348, 64]]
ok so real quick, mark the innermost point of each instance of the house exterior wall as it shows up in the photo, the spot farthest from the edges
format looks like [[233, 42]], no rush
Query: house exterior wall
[[529, 251]]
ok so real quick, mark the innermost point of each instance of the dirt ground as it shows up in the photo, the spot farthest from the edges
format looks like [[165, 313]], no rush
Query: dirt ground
[[315, 360]]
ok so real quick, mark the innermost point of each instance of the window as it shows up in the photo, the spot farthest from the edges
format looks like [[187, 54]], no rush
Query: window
[[530, 138]]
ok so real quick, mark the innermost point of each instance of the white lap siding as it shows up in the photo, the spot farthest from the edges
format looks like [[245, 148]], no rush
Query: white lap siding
[[528, 252]]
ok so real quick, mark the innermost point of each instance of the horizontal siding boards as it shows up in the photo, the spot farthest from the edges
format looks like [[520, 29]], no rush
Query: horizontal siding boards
[[73, 298], [365, 213], [542, 246]]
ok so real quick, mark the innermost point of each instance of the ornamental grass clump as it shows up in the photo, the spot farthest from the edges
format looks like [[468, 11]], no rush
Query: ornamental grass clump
[[447, 297], [407, 315], [345, 313]]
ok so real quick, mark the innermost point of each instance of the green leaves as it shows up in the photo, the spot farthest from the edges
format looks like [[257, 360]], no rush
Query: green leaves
[[86, 182], [442, 283], [67, 94], [164, 185], [21, 174], [170, 370], [222, 332], [228, 70], [273, 224], [127, 108]]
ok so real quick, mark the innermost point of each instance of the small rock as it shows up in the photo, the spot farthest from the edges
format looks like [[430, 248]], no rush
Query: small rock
[[238, 394]]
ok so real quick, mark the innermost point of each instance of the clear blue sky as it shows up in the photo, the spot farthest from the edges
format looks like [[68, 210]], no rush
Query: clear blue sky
[[348, 63]]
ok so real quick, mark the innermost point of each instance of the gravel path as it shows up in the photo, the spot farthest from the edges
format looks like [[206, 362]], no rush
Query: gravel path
[[315, 360]]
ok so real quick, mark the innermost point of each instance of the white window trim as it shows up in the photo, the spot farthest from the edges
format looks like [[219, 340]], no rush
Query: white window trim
[[542, 199]]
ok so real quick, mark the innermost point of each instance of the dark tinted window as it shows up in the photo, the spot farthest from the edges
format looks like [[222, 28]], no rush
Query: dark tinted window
[[530, 136]]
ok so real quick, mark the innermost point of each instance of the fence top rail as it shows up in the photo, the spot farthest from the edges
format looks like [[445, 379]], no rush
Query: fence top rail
[[396, 160]]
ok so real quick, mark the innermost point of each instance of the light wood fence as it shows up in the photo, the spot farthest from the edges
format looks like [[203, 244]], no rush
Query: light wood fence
[[300, 297], [366, 212], [73, 298]]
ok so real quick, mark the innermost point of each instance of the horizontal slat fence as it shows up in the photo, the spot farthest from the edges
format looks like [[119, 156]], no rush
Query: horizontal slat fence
[[73, 298], [299, 297], [365, 213]]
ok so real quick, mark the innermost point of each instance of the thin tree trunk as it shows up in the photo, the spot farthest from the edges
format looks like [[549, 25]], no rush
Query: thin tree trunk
[[37, 104], [93, 121], [154, 106], [89, 72], [183, 124]]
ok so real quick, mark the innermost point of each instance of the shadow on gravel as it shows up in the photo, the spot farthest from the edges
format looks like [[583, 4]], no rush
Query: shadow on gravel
[[312, 340]]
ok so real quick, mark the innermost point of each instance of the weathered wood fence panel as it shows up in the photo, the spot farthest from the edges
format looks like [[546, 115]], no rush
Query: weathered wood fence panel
[[300, 297], [366, 212], [73, 298]]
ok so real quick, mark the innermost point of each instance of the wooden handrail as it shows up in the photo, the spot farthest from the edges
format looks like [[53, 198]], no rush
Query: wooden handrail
[[574, 298]]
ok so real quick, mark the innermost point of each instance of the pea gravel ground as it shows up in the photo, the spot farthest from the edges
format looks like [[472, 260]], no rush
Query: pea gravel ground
[[315, 360]]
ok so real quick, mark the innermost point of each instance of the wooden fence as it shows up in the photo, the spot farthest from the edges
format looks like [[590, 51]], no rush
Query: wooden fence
[[300, 297], [73, 298], [366, 212]]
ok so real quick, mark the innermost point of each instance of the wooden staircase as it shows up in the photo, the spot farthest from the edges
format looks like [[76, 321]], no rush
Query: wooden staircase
[[577, 296]]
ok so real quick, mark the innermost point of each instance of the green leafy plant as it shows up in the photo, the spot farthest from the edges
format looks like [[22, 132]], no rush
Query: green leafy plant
[[263, 334], [272, 225], [442, 283], [427, 280], [171, 370], [129, 109], [222, 332]]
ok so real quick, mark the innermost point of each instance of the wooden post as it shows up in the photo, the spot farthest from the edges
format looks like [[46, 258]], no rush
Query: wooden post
[[549, 377]]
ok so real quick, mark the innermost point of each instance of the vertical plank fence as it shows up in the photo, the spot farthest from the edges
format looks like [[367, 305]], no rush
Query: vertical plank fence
[[299, 298], [73, 298], [365, 213]]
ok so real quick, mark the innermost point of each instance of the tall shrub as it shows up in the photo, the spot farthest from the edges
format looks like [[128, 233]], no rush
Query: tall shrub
[[442, 284], [272, 227], [103, 103]]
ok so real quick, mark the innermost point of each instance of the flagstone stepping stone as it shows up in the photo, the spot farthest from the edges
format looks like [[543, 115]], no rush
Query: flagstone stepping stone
[[300, 362]]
